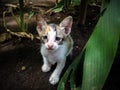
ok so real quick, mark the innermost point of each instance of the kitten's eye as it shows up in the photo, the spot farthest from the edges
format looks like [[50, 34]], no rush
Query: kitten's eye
[[44, 37], [58, 38]]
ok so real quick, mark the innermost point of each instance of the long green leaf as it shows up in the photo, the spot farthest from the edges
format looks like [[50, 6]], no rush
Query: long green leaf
[[101, 48]]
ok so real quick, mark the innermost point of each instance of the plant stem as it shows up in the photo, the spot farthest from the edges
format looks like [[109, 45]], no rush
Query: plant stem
[[22, 24], [83, 12]]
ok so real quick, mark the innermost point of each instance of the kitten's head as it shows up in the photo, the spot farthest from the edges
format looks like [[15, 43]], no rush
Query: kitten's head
[[52, 35]]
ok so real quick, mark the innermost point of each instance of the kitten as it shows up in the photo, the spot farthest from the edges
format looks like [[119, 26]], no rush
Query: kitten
[[56, 45]]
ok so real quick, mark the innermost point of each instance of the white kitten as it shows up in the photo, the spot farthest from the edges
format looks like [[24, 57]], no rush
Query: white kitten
[[56, 45]]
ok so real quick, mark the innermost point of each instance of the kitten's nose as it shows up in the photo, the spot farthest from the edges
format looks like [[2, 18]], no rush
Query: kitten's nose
[[50, 46]]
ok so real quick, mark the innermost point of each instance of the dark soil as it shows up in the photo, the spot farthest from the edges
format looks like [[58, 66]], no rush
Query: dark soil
[[20, 65]]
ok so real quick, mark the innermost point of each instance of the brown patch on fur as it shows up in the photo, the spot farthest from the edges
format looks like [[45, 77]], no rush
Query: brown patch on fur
[[47, 29]]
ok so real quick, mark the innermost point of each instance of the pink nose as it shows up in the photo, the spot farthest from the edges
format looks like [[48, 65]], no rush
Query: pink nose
[[50, 46]]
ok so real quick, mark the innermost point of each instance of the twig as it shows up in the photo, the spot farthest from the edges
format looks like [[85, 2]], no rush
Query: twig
[[23, 34]]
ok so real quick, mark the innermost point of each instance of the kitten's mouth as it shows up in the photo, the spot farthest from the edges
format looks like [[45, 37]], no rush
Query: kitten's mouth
[[50, 48]]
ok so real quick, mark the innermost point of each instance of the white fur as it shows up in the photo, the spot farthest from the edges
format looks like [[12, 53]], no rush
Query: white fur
[[51, 57]]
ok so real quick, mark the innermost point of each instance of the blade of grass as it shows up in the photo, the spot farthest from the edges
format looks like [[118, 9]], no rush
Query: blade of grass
[[28, 19], [15, 18]]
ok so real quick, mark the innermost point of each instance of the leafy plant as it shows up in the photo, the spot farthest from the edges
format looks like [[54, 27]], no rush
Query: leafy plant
[[65, 4], [21, 22], [100, 52], [59, 6]]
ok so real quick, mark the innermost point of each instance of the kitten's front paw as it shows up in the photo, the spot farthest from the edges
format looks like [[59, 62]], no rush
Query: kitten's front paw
[[45, 68], [54, 79]]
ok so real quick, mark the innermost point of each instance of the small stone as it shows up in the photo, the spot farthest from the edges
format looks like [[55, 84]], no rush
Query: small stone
[[23, 68]]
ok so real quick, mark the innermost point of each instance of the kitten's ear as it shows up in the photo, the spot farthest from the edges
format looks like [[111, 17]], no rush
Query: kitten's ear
[[66, 24], [41, 24]]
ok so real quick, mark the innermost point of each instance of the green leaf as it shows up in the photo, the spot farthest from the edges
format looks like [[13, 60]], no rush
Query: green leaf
[[31, 13], [58, 9], [59, 6], [101, 48]]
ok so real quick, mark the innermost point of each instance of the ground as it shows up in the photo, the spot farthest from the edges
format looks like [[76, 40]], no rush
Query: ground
[[20, 65]]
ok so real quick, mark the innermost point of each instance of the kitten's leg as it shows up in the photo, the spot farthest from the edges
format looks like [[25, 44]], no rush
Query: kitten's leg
[[54, 78], [46, 65]]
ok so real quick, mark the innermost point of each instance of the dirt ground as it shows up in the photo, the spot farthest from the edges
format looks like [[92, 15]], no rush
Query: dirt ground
[[20, 65]]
